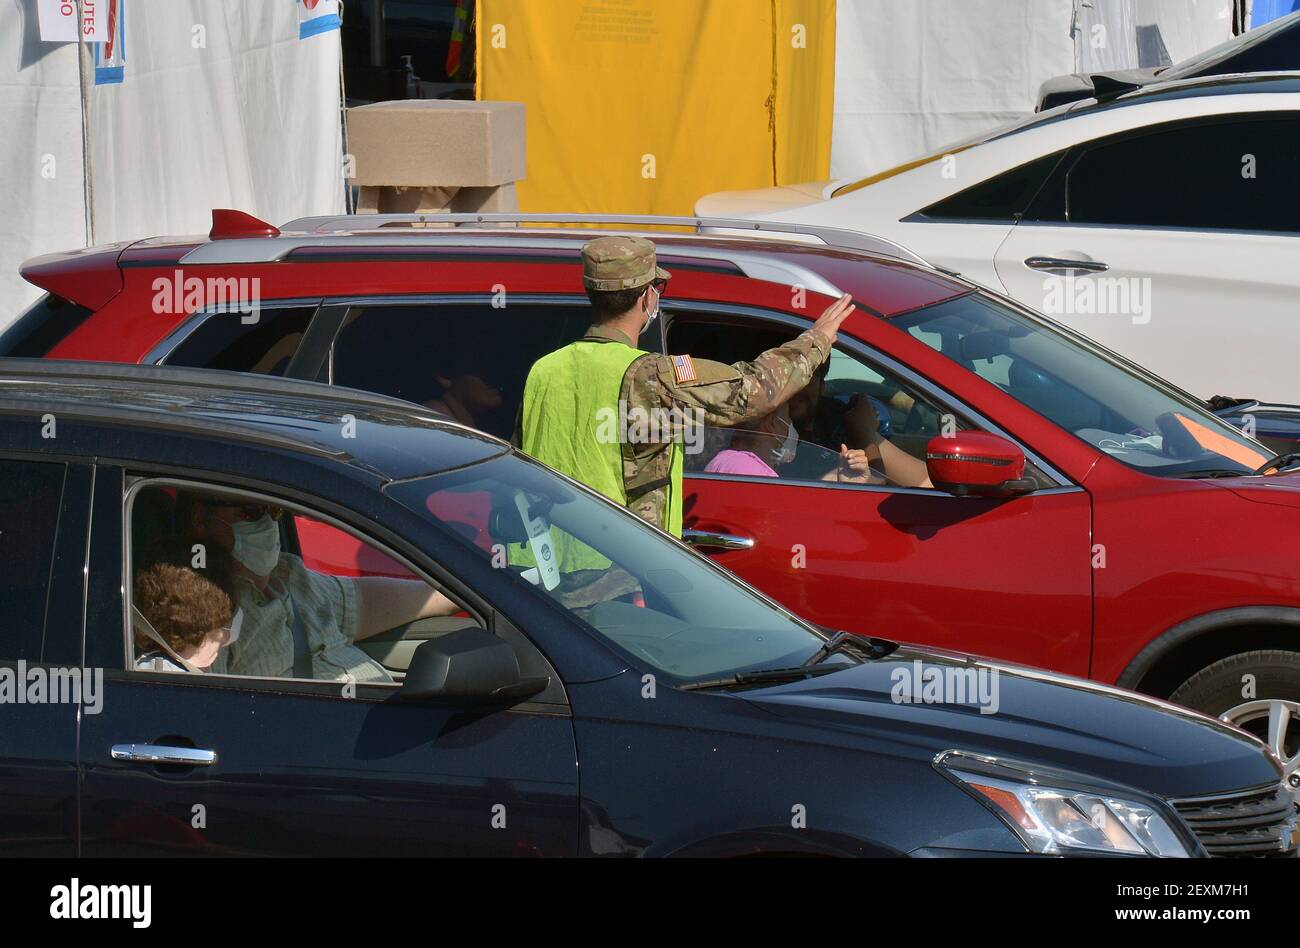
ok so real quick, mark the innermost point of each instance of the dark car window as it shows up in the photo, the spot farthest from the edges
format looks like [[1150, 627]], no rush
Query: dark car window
[[469, 360], [42, 326], [849, 402], [1236, 175], [301, 615], [636, 587], [263, 344], [30, 500], [1003, 198]]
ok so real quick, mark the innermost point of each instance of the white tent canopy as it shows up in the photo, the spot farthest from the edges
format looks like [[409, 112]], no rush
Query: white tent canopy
[[913, 77], [217, 103]]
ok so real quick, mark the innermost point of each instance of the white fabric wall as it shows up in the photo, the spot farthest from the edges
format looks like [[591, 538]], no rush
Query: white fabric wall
[[1136, 29], [912, 76], [250, 121], [41, 200]]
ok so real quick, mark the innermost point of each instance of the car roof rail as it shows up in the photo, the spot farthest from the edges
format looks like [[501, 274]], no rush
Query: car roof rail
[[837, 237], [738, 255]]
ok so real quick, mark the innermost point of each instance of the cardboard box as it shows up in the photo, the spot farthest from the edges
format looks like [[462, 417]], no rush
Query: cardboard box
[[443, 143], [373, 199]]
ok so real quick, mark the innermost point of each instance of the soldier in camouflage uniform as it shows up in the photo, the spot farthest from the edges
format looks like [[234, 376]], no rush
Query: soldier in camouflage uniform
[[572, 394]]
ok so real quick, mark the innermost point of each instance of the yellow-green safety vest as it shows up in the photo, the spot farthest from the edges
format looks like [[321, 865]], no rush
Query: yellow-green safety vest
[[571, 421]]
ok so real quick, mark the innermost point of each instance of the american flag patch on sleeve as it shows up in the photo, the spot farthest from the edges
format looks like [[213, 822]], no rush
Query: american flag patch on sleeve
[[683, 369]]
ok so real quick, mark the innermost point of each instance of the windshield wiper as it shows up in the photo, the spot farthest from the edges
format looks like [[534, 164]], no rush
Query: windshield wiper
[[828, 648], [816, 664], [870, 648], [1280, 463], [768, 676], [1208, 472]]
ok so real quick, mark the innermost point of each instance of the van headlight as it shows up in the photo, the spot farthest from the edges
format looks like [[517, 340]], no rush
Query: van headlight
[[1056, 819]]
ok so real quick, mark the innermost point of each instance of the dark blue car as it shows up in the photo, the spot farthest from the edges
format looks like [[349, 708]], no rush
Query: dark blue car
[[1276, 425], [570, 681]]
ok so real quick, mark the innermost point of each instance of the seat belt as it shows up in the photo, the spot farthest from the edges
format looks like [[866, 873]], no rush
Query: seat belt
[[301, 647], [634, 493], [147, 628]]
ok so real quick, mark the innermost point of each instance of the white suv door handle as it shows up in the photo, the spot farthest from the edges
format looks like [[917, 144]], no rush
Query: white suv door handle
[[1060, 263], [164, 754]]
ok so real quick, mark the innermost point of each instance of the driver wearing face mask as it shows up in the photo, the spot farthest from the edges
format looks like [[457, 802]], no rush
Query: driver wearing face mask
[[297, 623], [618, 418]]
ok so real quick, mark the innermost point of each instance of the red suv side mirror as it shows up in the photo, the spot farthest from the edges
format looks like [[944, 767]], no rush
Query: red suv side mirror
[[977, 463]]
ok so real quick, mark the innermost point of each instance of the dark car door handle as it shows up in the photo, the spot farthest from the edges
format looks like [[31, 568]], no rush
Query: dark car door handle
[[717, 541], [1060, 263], [164, 754]]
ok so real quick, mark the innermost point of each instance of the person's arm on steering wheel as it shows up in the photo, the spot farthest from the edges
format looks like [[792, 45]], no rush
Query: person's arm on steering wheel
[[861, 427]]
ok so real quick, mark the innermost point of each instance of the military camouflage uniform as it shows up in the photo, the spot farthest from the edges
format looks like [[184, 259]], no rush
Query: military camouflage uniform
[[719, 395], [680, 388]]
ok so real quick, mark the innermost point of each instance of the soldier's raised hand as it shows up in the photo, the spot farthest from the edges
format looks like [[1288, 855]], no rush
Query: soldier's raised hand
[[828, 323]]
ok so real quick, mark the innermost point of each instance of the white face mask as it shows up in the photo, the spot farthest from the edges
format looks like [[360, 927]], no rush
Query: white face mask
[[257, 544], [654, 313]]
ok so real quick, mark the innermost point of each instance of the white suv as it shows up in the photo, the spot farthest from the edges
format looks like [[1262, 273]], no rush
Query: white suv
[[1164, 223]]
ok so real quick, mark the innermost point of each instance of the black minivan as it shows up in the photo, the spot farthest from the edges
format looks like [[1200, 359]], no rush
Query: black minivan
[[569, 680]]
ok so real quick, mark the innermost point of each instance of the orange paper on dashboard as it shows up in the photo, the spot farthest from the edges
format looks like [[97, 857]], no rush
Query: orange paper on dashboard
[[1222, 445]]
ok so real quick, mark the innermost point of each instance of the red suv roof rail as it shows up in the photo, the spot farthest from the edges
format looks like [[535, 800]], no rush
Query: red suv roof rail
[[228, 224]]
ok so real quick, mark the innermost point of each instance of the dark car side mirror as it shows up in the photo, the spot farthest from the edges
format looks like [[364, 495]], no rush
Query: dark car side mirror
[[468, 666], [978, 464]]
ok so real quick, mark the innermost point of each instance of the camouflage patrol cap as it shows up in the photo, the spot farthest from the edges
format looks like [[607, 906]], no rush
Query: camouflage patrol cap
[[619, 263]]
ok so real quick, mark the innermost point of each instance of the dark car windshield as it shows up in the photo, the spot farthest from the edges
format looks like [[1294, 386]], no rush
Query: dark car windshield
[[1094, 394], [634, 585]]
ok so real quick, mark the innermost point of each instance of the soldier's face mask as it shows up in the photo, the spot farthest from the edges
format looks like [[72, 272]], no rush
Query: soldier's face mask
[[652, 303]]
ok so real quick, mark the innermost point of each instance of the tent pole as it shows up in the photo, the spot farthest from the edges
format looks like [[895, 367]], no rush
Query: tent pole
[[376, 32]]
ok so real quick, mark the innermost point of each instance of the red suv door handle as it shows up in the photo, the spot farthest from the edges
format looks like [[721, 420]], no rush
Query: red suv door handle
[[711, 539]]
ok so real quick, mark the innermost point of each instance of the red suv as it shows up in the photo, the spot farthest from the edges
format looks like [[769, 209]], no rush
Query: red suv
[[1088, 517]]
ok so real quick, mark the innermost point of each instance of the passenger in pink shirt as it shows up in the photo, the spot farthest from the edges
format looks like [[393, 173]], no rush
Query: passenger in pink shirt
[[736, 461], [773, 440]]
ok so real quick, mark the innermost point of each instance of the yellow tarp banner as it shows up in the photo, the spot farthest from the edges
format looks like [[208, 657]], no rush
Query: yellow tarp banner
[[643, 106]]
